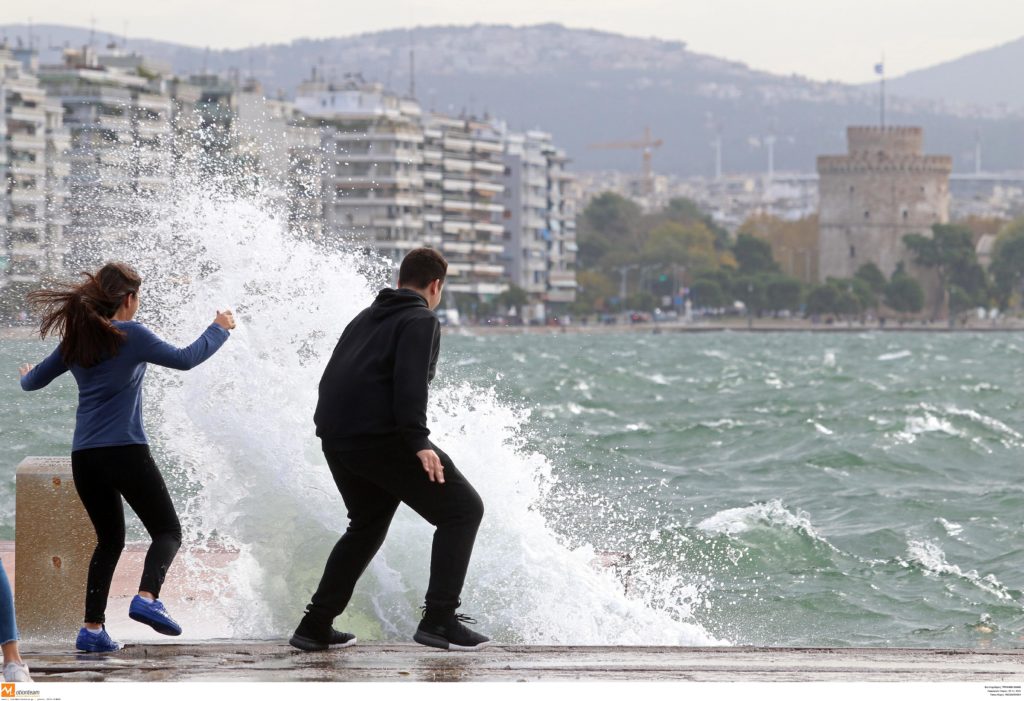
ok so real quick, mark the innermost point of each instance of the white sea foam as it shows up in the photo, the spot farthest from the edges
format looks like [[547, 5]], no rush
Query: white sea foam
[[895, 356], [239, 427], [772, 514], [932, 559]]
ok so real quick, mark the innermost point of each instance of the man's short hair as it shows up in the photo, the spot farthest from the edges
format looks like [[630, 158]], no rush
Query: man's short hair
[[420, 267]]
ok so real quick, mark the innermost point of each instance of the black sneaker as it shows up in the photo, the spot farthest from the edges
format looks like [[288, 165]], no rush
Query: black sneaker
[[307, 642], [448, 633]]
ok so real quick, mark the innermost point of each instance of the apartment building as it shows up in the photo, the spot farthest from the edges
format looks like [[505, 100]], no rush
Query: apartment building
[[471, 178], [119, 118], [372, 146], [33, 166], [540, 223]]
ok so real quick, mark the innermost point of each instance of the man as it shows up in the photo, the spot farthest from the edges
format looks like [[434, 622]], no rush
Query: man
[[372, 421]]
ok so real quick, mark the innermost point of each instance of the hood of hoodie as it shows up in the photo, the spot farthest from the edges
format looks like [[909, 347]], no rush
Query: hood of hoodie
[[391, 301]]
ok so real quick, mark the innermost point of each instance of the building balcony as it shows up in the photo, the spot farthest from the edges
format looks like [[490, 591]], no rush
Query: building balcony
[[489, 227], [488, 146], [29, 197], [488, 167], [455, 144], [456, 247], [27, 168], [485, 188], [488, 207], [566, 296], [453, 185], [27, 115], [20, 141], [562, 279], [487, 269], [458, 165], [458, 205], [402, 223], [457, 227]]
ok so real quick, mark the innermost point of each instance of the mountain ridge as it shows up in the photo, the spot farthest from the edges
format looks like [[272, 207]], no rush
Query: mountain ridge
[[587, 86]]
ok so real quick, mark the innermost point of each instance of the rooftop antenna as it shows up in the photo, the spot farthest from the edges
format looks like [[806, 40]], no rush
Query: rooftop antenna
[[412, 72], [977, 152], [30, 38], [124, 36], [92, 31], [770, 143]]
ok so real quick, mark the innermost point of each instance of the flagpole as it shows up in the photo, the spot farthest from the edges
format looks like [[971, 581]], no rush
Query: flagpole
[[882, 105]]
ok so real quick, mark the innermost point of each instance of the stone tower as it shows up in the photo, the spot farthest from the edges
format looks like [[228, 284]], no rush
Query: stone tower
[[869, 199]]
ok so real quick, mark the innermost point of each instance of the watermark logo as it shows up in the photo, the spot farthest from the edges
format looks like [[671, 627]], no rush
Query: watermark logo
[[6, 690]]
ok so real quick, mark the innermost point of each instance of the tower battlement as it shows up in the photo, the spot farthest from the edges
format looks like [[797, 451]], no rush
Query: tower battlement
[[891, 141]]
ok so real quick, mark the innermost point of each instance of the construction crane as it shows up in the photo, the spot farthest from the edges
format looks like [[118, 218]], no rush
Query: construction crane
[[647, 146]]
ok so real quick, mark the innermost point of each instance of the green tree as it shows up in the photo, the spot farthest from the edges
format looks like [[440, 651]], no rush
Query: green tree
[[1007, 266], [706, 293], [903, 294], [514, 296], [609, 223], [671, 243], [753, 255], [595, 291], [823, 299], [950, 252], [686, 211], [874, 277], [783, 293]]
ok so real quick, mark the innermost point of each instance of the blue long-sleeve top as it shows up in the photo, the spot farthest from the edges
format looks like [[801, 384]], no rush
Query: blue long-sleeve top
[[110, 392]]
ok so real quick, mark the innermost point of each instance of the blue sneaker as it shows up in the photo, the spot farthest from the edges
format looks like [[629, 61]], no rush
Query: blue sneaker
[[154, 615], [96, 642]]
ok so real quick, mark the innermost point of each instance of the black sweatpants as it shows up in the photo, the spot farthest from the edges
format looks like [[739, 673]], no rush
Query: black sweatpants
[[102, 477], [373, 482]]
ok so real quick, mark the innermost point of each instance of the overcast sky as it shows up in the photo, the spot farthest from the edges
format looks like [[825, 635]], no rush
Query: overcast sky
[[822, 39]]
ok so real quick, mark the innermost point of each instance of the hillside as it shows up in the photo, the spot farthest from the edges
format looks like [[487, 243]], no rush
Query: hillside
[[587, 86]]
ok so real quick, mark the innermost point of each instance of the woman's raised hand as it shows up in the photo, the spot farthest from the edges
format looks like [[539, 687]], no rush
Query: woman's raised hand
[[225, 319], [25, 369]]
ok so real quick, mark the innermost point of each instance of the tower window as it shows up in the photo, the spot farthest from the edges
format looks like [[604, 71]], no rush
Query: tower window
[[853, 252], [905, 214], [867, 214]]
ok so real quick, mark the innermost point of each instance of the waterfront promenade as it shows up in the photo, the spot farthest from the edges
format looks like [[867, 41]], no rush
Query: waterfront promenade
[[275, 661]]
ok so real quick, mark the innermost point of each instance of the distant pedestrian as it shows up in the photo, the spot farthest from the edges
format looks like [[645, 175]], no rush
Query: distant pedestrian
[[372, 421], [107, 353]]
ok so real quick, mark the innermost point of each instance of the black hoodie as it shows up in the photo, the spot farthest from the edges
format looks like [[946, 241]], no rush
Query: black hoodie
[[374, 388]]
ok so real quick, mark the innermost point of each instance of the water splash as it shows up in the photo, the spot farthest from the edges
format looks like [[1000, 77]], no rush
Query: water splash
[[238, 436]]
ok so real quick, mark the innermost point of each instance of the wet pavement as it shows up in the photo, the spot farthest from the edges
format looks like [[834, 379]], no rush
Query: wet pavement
[[254, 661]]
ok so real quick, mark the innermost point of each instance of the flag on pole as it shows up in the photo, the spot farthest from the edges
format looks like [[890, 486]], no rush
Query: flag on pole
[[880, 68]]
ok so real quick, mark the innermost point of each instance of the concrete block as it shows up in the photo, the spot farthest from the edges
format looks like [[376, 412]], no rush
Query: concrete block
[[54, 542]]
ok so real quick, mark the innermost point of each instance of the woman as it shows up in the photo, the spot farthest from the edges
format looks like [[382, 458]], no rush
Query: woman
[[107, 353]]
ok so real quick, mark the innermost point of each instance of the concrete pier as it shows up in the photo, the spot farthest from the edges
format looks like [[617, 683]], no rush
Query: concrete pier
[[53, 548], [265, 661]]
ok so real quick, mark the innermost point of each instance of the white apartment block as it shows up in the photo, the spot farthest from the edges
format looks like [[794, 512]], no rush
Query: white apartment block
[[373, 184], [471, 184], [33, 166], [120, 124], [540, 223]]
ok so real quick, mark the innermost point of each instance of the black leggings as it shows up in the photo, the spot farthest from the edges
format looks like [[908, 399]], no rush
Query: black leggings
[[102, 477], [373, 483]]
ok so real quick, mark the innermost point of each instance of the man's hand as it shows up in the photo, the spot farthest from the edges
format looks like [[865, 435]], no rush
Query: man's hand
[[432, 465]]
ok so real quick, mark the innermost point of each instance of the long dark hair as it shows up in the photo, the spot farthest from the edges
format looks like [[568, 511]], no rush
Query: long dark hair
[[81, 314]]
